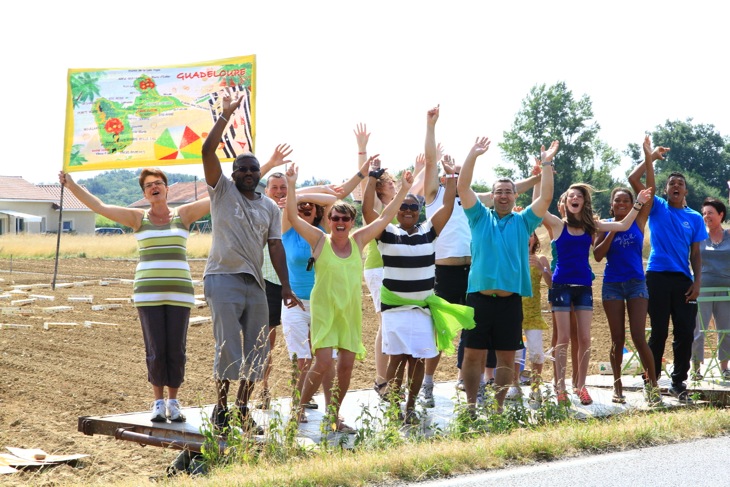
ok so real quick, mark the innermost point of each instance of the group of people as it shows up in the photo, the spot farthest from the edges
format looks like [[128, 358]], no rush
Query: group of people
[[470, 272]]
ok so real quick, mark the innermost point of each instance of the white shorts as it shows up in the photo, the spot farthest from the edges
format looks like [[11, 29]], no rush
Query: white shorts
[[373, 280], [409, 332], [295, 322], [533, 342]]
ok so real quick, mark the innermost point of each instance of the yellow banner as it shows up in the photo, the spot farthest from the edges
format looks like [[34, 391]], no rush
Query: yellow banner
[[155, 116]]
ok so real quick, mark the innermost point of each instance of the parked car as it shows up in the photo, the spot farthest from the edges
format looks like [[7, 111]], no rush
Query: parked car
[[108, 231]]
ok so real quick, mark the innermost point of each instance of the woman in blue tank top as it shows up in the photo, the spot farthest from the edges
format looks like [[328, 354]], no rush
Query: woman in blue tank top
[[624, 288], [572, 278]]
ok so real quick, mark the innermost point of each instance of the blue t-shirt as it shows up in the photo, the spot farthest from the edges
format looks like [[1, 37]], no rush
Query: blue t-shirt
[[499, 249], [672, 233], [573, 266], [624, 258], [298, 253]]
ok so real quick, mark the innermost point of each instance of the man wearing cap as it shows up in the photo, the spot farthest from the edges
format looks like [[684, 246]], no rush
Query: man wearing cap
[[244, 221]]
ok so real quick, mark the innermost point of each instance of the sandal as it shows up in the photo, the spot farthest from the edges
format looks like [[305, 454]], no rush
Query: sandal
[[265, 399], [618, 398], [345, 429], [585, 398]]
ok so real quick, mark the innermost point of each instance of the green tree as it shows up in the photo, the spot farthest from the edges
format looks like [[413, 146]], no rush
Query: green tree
[[698, 151], [552, 113], [84, 87]]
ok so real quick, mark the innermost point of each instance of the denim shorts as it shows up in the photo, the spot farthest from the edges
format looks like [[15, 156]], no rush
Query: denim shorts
[[621, 291], [565, 297]]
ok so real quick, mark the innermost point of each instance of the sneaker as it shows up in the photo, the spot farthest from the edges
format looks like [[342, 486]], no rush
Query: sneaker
[[412, 418], [219, 418], [460, 385], [490, 382], [427, 396], [247, 423], [481, 392], [173, 411], [310, 405], [652, 396], [585, 398], [158, 411], [680, 392], [513, 394], [726, 374]]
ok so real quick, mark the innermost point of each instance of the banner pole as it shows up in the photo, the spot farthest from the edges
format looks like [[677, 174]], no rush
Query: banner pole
[[58, 238]]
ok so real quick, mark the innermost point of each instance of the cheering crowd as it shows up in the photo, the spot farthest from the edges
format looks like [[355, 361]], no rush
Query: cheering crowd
[[465, 280]]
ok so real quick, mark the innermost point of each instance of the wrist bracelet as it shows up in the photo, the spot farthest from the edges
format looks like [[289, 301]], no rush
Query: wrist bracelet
[[361, 153], [637, 208], [549, 163], [221, 116], [451, 176], [361, 175]]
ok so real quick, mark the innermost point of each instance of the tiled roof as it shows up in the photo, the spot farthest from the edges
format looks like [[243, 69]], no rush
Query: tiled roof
[[70, 202], [179, 194], [17, 188]]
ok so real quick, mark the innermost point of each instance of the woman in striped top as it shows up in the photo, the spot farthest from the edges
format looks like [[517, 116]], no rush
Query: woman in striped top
[[408, 278], [163, 288]]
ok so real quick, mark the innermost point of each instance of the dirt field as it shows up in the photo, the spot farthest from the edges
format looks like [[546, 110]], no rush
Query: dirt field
[[48, 378]]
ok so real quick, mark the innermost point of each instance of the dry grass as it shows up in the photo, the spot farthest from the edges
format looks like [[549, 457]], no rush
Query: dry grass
[[90, 246]]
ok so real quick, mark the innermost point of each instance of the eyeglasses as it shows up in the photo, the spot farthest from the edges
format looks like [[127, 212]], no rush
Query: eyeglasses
[[153, 184], [411, 206], [305, 205], [503, 193], [248, 169], [336, 218]]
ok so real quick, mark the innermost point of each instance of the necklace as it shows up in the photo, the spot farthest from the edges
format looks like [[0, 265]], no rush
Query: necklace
[[715, 244]]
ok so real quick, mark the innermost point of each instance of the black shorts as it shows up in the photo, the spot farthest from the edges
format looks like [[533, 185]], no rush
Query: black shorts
[[273, 297], [451, 283], [498, 323]]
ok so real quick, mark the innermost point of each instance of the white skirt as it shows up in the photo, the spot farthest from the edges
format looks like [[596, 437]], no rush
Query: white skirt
[[409, 332]]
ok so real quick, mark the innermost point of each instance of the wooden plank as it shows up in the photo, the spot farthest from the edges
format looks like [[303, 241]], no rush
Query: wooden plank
[[42, 297], [14, 326], [199, 320], [119, 300], [56, 309], [22, 302], [14, 311], [82, 299], [104, 307], [89, 324], [48, 324]]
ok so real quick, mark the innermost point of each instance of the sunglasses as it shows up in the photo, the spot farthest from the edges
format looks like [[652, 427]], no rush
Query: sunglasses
[[411, 206], [248, 169], [336, 218], [304, 206]]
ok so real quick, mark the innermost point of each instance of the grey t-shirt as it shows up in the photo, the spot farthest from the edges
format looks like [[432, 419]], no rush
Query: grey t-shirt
[[716, 262], [241, 228]]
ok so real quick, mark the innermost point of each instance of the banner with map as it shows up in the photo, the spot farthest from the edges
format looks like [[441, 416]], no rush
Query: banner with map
[[155, 116]]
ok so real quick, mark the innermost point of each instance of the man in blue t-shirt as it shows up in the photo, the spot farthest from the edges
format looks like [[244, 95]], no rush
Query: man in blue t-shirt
[[675, 235], [500, 271]]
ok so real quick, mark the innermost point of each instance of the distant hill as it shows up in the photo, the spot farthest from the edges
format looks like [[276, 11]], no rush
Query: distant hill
[[121, 186]]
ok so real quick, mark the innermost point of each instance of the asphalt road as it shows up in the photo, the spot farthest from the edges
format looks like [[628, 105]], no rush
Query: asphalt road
[[697, 463]]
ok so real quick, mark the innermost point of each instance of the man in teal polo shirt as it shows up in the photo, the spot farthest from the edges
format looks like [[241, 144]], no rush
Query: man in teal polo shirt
[[500, 270]]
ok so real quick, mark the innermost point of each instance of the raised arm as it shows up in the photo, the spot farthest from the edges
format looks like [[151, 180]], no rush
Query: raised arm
[[370, 231], [442, 215], [126, 216], [466, 194], [278, 158], [623, 225], [431, 171], [369, 214], [350, 185], [320, 199], [419, 174], [310, 233], [362, 136], [211, 163], [541, 204]]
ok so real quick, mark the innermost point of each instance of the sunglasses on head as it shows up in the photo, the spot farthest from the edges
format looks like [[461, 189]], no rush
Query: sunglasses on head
[[409, 206], [336, 218]]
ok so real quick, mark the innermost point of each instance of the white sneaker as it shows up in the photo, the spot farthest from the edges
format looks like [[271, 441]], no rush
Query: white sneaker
[[481, 392], [158, 411], [513, 394], [427, 399], [173, 411], [536, 396]]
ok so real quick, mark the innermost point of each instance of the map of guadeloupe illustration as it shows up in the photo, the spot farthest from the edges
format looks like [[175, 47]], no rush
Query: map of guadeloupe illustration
[[155, 116]]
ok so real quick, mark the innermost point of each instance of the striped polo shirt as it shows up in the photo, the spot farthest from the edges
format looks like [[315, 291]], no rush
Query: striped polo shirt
[[409, 261], [163, 273]]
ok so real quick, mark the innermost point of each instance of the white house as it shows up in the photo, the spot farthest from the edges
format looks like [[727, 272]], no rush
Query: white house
[[29, 208]]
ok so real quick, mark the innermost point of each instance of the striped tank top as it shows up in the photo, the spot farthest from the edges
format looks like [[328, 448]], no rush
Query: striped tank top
[[163, 273]]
